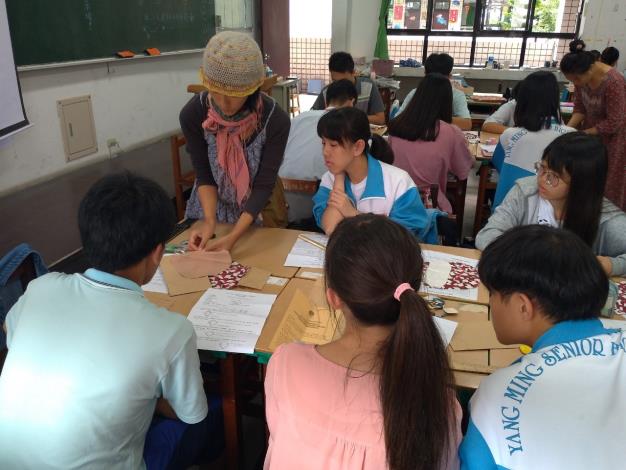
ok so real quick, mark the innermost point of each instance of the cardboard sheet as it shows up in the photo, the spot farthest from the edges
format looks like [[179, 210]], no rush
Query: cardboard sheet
[[477, 335], [255, 278]]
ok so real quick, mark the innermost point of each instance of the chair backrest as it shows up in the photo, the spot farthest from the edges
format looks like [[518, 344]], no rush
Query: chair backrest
[[15, 283], [300, 186]]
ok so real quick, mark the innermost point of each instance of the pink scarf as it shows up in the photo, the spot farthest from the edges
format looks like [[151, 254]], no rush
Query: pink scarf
[[229, 136]]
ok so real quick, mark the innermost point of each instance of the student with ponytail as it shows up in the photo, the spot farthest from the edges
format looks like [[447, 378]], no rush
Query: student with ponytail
[[381, 396], [600, 109], [361, 178]]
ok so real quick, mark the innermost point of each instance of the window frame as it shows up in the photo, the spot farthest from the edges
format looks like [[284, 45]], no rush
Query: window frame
[[479, 32]]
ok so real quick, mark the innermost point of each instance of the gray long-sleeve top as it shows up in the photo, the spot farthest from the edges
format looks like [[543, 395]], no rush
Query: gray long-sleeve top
[[521, 207]]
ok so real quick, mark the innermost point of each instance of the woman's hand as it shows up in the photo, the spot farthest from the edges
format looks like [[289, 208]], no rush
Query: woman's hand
[[606, 264], [201, 232], [340, 201], [222, 243]]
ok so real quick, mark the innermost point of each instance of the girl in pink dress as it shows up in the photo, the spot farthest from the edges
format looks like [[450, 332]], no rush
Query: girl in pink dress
[[600, 109], [381, 396]]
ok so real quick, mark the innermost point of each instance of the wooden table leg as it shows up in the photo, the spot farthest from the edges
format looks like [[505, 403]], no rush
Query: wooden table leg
[[483, 178], [228, 383]]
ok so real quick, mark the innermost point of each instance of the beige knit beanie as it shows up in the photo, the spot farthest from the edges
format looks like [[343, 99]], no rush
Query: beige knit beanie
[[232, 64]]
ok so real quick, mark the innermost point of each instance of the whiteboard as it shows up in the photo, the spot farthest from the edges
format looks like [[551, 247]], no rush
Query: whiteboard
[[12, 114]]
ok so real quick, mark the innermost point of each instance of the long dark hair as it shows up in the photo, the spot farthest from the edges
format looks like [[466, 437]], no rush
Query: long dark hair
[[350, 125], [578, 60], [585, 160], [431, 103], [537, 102], [367, 258]]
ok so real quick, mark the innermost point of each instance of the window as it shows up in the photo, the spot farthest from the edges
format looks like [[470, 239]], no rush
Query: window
[[519, 32]]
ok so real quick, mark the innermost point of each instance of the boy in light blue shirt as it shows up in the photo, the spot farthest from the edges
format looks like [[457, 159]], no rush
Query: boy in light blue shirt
[[90, 359]]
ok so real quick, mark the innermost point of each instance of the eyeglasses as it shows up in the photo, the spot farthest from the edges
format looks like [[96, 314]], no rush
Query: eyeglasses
[[552, 179]]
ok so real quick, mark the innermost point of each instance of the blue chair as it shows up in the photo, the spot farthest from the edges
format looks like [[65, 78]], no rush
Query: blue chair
[[17, 268]]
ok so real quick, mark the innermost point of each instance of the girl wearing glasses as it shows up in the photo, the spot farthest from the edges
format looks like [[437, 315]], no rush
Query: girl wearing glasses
[[568, 193]]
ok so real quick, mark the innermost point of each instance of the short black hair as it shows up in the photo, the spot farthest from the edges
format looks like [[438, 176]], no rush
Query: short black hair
[[122, 218], [341, 62], [553, 267], [341, 91], [610, 55], [439, 63]]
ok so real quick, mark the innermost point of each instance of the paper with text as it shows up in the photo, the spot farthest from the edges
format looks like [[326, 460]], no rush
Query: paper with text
[[305, 255], [230, 321], [307, 323]]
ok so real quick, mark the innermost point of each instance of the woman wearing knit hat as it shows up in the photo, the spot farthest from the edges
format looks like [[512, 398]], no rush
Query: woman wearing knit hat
[[236, 137]]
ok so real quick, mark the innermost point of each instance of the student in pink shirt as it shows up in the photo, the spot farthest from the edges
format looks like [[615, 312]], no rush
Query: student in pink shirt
[[425, 143], [381, 396]]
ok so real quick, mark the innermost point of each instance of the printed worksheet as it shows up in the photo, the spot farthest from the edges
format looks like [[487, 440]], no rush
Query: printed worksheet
[[305, 255], [230, 321]]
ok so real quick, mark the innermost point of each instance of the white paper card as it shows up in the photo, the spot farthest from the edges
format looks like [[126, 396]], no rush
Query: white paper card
[[230, 321], [277, 281], [156, 284], [446, 329]]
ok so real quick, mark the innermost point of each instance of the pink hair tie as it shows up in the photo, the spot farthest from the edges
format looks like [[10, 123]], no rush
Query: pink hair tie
[[400, 290]]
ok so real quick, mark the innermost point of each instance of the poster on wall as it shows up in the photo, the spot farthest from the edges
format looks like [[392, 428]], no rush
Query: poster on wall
[[12, 113]]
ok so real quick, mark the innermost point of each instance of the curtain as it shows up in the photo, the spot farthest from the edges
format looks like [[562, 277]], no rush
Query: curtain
[[381, 51]]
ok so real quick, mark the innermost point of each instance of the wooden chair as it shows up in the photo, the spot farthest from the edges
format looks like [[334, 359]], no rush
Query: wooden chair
[[181, 181], [300, 186], [455, 192]]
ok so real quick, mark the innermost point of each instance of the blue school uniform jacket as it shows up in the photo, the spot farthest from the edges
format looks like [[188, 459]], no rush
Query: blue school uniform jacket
[[559, 407], [388, 191]]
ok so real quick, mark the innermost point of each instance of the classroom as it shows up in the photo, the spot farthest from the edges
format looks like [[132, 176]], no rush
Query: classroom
[[331, 234]]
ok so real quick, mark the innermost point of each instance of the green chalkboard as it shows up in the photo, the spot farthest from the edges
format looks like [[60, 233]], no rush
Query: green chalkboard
[[45, 31]]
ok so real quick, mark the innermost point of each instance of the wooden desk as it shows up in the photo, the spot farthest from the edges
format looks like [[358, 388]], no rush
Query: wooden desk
[[267, 248]]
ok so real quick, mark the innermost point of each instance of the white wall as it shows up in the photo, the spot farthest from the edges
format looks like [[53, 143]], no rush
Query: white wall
[[134, 102], [604, 24], [355, 25]]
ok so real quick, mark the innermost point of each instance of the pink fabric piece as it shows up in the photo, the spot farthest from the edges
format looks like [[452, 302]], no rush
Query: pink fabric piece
[[462, 276], [230, 277], [430, 162], [318, 420], [229, 137], [620, 305], [194, 264]]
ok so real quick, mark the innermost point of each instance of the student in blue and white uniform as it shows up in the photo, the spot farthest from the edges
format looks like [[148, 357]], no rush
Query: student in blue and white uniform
[[362, 179], [560, 406], [537, 123], [504, 116]]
